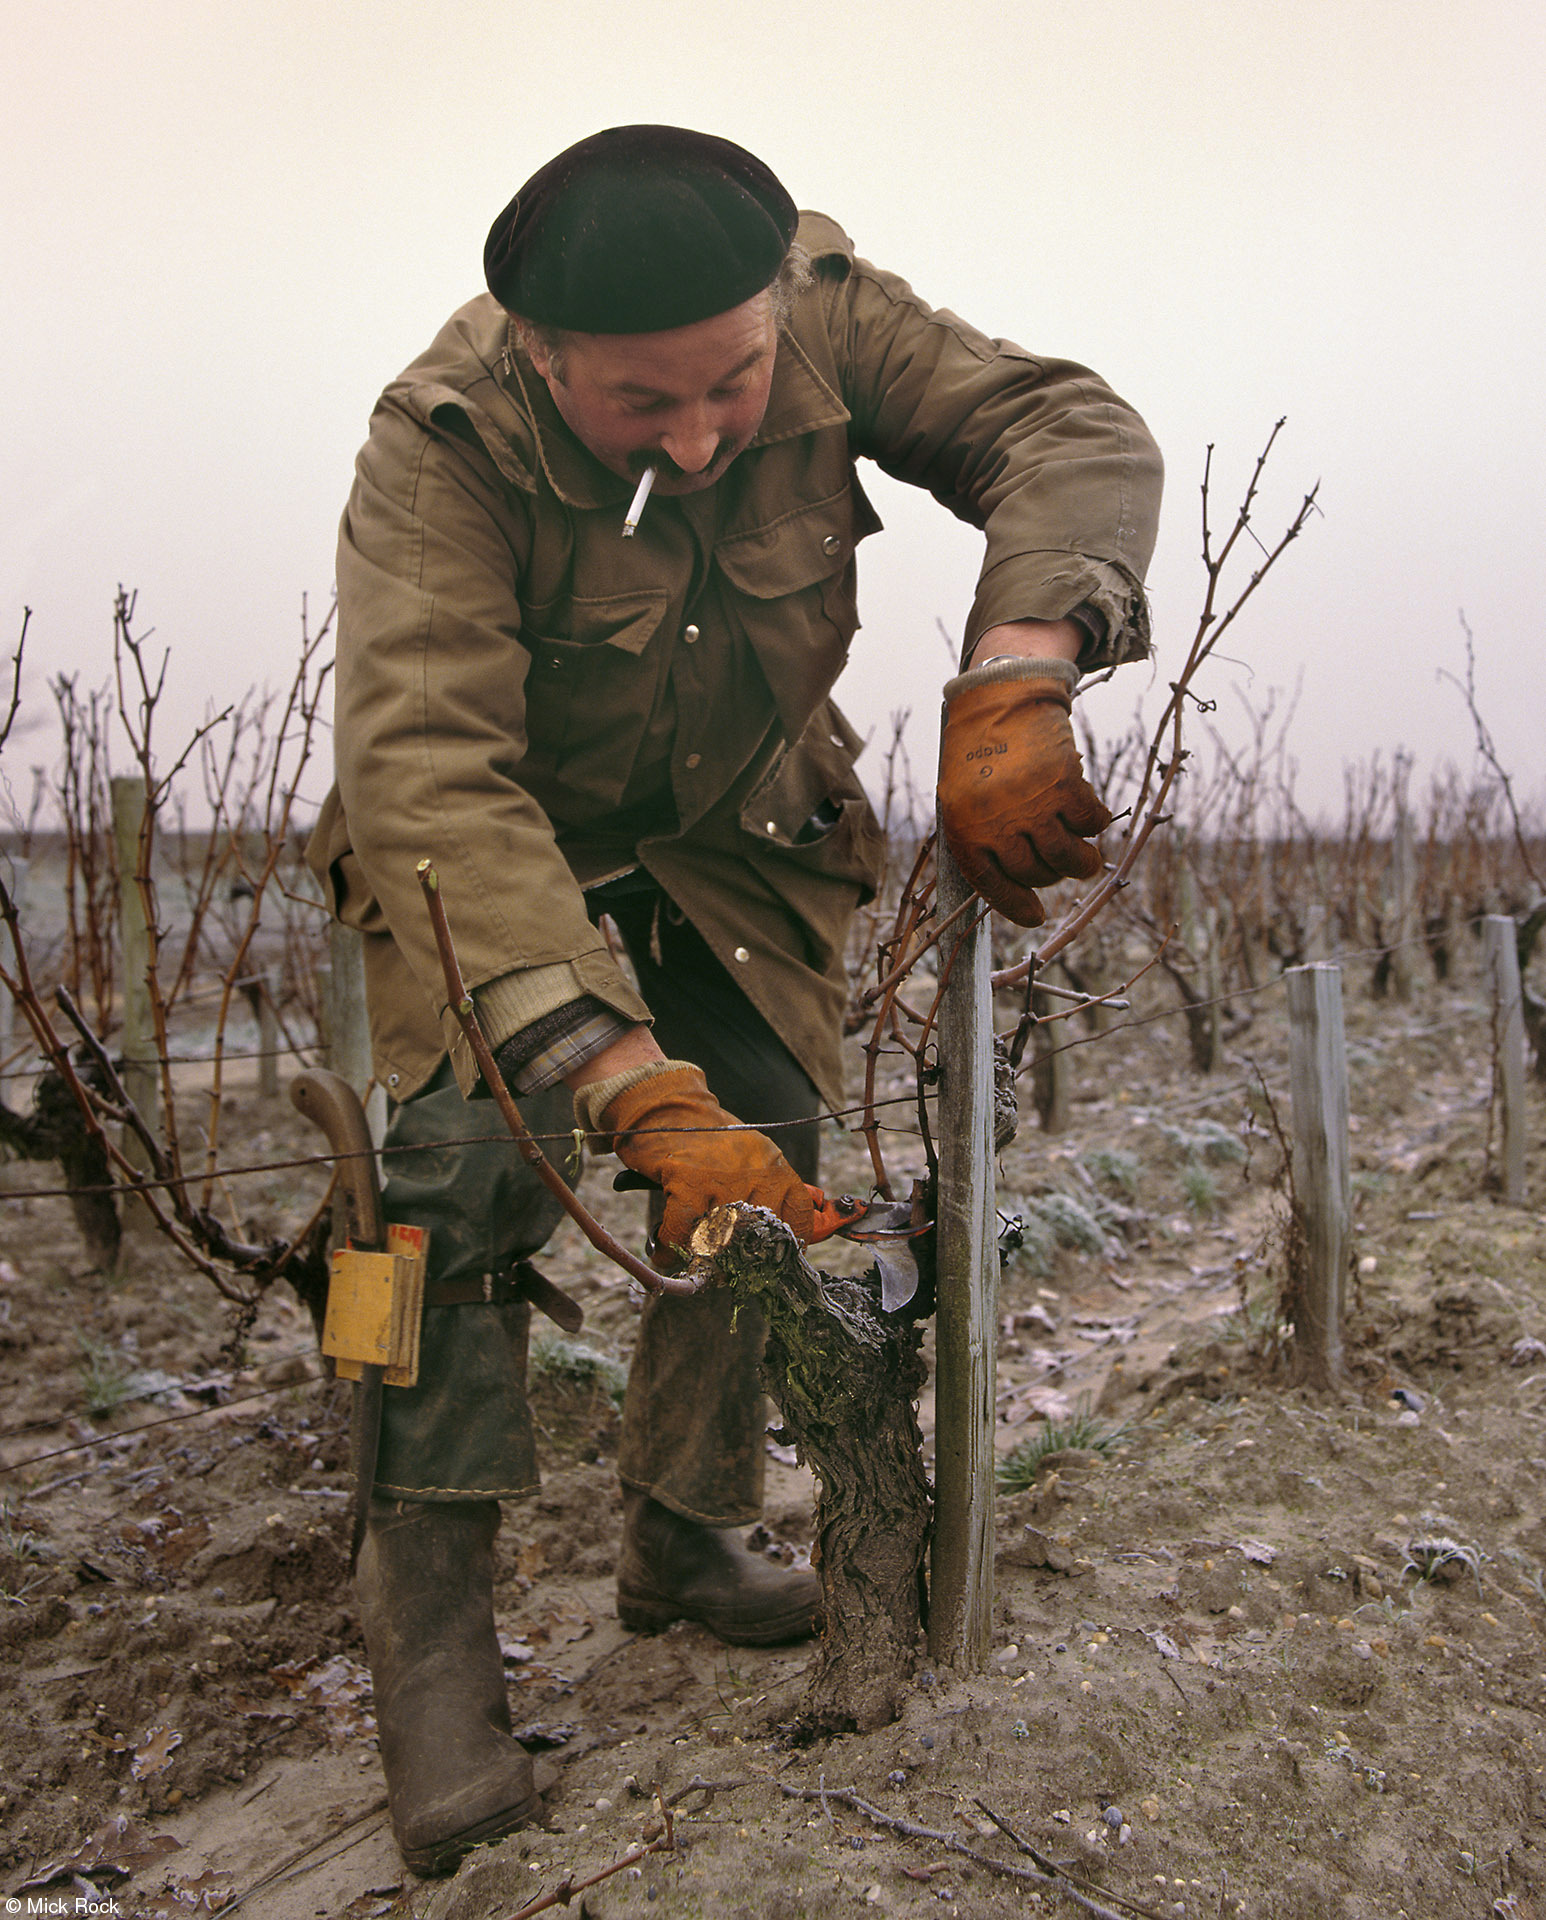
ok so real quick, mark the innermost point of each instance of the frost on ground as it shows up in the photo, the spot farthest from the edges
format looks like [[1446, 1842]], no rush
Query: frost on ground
[[1255, 1653]]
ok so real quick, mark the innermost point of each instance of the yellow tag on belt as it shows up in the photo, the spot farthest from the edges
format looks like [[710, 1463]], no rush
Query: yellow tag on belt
[[375, 1305]]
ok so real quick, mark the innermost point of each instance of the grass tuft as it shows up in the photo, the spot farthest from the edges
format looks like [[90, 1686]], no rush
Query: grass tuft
[[1050, 1221], [1081, 1432], [573, 1365], [21, 1554], [1113, 1169], [1207, 1141], [107, 1377], [1200, 1188], [1437, 1558], [1257, 1321]]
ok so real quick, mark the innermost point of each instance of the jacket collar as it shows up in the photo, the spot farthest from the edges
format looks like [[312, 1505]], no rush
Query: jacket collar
[[800, 401]]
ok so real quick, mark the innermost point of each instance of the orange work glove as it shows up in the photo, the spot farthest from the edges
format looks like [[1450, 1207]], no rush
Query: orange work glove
[[669, 1127], [1014, 805]]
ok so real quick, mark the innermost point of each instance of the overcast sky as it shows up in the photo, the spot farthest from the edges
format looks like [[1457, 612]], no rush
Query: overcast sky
[[226, 227]]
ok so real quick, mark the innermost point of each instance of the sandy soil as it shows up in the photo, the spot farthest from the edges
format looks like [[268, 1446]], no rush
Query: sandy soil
[[1255, 1652]]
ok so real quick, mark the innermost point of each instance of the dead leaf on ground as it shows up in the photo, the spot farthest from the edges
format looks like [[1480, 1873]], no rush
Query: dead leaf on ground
[[210, 1892], [166, 1537], [118, 1849], [153, 1755], [338, 1687], [1048, 1402]]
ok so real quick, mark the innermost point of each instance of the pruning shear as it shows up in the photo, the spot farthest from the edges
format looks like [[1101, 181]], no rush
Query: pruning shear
[[886, 1227]]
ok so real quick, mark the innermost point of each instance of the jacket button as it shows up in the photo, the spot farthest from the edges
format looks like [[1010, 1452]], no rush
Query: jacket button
[[694, 759], [690, 635], [772, 826], [832, 544], [742, 955]]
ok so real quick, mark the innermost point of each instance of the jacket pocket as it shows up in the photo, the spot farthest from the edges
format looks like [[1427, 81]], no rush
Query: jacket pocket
[[811, 809], [336, 868], [795, 585], [593, 683], [810, 547]]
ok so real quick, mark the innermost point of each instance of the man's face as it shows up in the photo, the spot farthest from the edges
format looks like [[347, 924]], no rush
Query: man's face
[[686, 401]]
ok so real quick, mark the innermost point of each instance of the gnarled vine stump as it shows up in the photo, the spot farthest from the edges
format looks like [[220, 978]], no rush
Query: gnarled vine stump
[[846, 1377], [56, 1130]]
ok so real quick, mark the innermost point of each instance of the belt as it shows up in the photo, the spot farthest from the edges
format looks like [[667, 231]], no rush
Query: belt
[[504, 1288]]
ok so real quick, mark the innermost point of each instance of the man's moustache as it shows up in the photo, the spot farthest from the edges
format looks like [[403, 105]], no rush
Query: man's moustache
[[667, 469]]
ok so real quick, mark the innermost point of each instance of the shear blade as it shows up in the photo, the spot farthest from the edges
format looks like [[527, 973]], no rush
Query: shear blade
[[898, 1277]]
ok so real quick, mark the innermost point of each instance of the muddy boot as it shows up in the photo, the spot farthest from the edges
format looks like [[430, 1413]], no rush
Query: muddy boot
[[675, 1569], [455, 1777]]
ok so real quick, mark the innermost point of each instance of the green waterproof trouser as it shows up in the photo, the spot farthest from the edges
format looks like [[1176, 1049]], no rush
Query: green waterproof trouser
[[693, 1416]]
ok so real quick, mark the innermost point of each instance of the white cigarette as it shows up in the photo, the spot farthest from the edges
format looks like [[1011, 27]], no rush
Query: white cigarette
[[641, 494]]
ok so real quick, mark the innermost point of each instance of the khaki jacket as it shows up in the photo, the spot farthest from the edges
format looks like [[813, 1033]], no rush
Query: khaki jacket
[[536, 704]]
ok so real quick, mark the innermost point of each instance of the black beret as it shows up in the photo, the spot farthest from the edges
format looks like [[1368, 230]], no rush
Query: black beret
[[638, 229]]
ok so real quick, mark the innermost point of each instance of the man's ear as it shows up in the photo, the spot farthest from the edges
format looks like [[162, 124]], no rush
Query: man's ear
[[537, 351]]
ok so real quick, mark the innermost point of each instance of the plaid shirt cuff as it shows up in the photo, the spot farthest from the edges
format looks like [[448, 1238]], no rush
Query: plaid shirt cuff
[[543, 1053]]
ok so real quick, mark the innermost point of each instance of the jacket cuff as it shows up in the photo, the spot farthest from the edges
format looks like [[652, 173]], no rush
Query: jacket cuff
[[1014, 666], [1059, 586]]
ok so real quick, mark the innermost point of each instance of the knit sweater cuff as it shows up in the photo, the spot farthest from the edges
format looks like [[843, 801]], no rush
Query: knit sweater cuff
[[515, 1000], [592, 1101], [1014, 666]]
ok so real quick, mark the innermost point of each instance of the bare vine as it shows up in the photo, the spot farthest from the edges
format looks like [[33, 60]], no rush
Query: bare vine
[[250, 785], [916, 931]]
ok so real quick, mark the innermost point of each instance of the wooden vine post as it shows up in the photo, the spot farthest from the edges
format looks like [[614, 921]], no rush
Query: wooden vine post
[[15, 874], [1322, 1240], [1501, 939], [141, 1073], [268, 1037], [966, 1346], [1403, 917]]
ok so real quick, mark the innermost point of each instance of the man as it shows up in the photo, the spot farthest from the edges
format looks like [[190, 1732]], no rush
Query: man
[[574, 717]]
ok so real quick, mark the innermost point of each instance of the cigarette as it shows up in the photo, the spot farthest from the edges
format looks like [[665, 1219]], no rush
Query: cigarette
[[641, 494]]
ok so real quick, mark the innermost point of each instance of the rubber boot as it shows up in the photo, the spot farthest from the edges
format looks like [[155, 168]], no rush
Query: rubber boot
[[674, 1569], [455, 1776]]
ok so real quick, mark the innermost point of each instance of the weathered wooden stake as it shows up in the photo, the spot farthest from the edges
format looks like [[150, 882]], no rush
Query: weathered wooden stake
[[1322, 1181], [1213, 985], [1051, 1077], [1501, 943], [1199, 933], [1403, 917], [961, 1582], [141, 1072], [268, 1038], [16, 885]]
